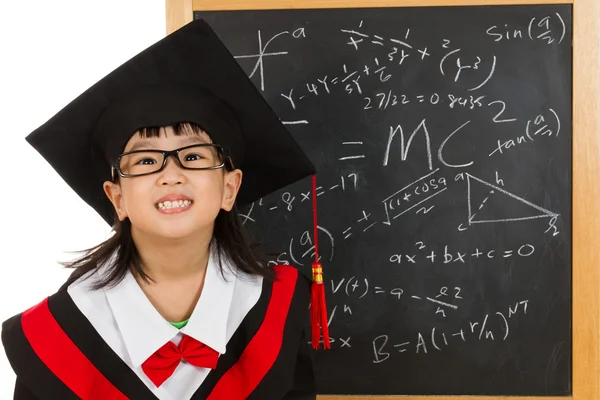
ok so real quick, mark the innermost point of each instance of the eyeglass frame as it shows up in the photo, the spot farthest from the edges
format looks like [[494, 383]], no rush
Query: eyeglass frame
[[168, 153]]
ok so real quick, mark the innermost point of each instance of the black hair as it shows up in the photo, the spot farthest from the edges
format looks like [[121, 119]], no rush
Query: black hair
[[230, 237]]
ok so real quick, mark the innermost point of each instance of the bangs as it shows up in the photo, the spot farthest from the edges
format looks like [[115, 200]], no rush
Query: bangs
[[180, 129]]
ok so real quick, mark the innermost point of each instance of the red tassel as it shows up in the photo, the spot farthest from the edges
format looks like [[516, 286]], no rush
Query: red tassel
[[318, 308]]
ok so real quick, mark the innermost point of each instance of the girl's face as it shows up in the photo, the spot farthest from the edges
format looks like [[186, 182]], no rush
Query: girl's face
[[141, 198]]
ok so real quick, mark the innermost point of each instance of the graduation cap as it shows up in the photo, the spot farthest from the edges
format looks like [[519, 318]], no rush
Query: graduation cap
[[189, 76]]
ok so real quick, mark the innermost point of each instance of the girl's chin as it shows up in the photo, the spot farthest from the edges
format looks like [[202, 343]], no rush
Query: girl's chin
[[171, 231], [177, 231]]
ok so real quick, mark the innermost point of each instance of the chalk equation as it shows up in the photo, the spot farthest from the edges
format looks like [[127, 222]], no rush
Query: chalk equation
[[550, 29], [492, 327], [358, 288], [448, 255]]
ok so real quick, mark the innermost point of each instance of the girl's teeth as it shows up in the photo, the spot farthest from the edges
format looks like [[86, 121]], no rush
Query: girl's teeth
[[174, 204]]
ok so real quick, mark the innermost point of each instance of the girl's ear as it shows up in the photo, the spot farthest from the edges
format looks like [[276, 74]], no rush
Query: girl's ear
[[232, 181], [114, 194]]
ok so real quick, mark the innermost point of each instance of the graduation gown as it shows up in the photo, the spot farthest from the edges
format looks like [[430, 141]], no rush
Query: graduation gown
[[57, 353]]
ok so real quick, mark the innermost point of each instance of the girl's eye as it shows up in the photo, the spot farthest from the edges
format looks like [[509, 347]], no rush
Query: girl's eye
[[193, 157], [146, 161]]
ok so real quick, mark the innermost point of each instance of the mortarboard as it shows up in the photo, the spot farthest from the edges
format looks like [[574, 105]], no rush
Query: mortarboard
[[189, 76]]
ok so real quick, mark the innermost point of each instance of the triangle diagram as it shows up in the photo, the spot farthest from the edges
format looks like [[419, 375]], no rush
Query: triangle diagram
[[489, 203]]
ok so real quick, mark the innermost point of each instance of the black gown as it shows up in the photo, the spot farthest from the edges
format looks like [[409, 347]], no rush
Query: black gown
[[58, 355]]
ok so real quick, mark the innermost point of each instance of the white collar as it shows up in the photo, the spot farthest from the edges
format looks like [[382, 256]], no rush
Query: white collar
[[134, 313]]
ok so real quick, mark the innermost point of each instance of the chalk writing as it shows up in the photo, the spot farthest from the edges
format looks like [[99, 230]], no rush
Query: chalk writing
[[298, 33], [491, 327], [549, 29]]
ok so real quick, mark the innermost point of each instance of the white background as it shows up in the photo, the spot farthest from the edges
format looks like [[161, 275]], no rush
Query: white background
[[50, 52]]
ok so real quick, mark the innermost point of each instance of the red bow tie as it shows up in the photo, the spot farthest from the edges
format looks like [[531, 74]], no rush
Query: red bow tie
[[161, 365]]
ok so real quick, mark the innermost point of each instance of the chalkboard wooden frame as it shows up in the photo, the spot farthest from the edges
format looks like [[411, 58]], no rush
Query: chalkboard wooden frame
[[586, 166]]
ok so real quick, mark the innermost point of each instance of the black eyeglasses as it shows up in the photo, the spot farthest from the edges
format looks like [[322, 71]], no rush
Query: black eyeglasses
[[196, 157]]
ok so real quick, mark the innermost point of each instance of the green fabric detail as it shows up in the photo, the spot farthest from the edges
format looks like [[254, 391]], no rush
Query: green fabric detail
[[180, 325]]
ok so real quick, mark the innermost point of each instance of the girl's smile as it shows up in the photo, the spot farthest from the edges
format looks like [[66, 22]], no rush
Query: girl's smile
[[174, 207], [173, 204]]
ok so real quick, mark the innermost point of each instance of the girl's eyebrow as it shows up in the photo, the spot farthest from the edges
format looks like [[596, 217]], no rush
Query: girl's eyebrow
[[140, 144], [184, 141]]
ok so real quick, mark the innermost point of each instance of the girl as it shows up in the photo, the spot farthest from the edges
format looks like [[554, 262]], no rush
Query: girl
[[176, 304]]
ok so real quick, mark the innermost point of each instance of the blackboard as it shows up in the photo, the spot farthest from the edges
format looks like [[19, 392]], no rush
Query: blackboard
[[442, 136]]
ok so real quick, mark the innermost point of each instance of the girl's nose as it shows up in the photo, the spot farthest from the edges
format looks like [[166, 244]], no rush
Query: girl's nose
[[172, 173]]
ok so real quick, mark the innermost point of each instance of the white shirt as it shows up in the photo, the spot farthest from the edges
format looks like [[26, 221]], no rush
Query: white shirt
[[134, 329]]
